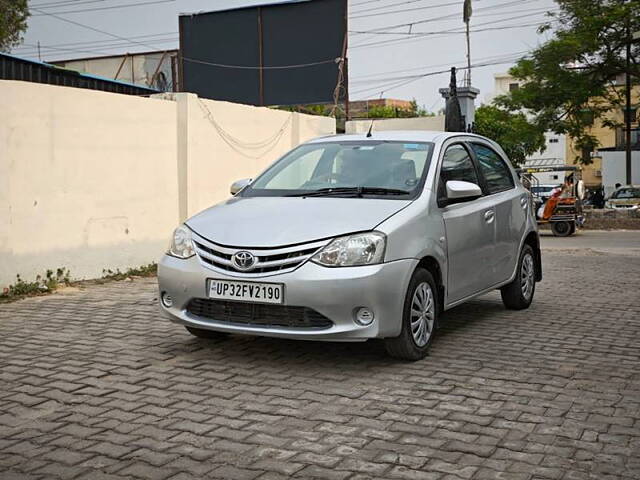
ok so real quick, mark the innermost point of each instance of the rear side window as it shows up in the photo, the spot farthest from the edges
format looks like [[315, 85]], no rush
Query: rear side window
[[457, 165], [494, 168]]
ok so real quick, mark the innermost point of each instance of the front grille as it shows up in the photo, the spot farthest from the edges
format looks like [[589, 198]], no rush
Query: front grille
[[268, 260], [258, 315]]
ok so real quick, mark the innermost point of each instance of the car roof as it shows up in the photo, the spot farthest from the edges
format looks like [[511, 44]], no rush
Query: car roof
[[396, 135]]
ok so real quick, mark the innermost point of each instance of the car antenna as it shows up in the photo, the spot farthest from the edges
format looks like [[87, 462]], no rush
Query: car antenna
[[370, 128]]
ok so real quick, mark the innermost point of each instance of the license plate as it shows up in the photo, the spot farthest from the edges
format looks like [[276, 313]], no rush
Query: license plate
[[246, 291]]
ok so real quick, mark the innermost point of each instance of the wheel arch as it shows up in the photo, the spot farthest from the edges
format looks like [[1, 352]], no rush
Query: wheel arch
[[432, 265]]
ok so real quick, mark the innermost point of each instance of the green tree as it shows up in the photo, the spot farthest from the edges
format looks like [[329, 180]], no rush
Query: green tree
[[13, 22], [387, 111], [517, 136], [570, 81]]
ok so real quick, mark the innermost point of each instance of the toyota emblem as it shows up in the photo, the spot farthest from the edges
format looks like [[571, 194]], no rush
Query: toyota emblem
[[243, 260]]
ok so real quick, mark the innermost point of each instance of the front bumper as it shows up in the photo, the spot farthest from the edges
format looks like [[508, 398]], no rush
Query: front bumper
[[335, 293]]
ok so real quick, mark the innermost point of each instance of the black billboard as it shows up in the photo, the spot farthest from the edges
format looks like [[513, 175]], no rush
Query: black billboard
[[272, 54]]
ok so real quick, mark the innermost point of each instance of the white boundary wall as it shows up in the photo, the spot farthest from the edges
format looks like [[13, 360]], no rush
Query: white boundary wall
[[92, 180], [435, 123]]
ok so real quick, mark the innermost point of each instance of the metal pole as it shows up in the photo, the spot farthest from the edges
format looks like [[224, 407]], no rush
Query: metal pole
[[627, 119], [179, 80], [261, 59], [39, 56], [345, 71], [468, 57]]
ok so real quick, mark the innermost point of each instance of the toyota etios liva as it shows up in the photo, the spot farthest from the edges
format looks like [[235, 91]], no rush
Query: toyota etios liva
[[353, 237]]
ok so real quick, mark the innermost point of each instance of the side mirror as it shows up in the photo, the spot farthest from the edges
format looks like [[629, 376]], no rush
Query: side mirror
[[239, 185], [458, 191]]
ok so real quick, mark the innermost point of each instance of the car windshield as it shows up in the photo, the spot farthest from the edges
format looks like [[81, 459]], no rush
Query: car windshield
[[350, 169], [626, 193]]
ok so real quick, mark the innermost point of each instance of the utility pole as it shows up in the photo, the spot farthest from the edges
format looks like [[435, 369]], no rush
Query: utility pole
[[627, 119], [466, 17]]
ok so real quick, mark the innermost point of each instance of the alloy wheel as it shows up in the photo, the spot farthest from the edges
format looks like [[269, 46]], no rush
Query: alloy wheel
[[422, 314], [527, 276]]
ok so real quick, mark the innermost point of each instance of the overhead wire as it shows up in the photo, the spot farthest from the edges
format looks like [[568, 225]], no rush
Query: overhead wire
[[379, 31], [423, 67], [73, 22], [405, 3], [394, 85], [481, 9], [263, 67], [64, 3], [111, 7], [421, 35]]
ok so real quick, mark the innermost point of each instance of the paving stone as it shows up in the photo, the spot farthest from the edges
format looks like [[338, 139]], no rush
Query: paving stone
[[97, 385]]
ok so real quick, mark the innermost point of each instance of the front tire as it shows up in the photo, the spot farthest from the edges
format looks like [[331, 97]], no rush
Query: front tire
[[419, 319], [518, 294], [207, 334]]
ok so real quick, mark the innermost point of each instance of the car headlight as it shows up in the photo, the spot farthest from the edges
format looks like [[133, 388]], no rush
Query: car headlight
[[608, 205], [351, 250], [181, 244]]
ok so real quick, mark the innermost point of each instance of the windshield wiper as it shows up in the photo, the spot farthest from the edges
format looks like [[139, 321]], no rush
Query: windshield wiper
[[356, 191]]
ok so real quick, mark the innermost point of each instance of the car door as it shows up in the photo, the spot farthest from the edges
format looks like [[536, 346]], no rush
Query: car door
[[469, 228], [510, 203]]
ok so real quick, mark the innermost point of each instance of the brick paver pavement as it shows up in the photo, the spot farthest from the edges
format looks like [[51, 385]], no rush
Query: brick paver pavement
[[96, 385]]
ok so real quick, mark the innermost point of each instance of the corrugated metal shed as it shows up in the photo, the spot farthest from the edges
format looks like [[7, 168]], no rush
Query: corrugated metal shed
[[16, 68]]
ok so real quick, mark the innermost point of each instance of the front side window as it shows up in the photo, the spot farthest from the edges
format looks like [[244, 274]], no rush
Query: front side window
[[361, 168], [457, 165], [495, 170]]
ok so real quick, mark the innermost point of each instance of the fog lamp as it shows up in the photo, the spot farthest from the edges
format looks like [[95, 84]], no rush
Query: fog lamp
[[364, 316], [167, 301]]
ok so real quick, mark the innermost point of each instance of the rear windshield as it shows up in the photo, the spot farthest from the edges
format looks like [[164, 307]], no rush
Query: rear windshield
[[626, 193], [394, 170]]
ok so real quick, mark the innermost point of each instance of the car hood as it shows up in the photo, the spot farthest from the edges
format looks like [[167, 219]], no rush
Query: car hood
[[280, 221]]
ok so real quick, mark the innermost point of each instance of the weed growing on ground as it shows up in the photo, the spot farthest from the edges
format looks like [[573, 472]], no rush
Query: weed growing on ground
[[42, 284], [143, 271]]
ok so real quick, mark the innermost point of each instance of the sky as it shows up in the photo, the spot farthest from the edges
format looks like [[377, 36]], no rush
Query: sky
[[413, 39]]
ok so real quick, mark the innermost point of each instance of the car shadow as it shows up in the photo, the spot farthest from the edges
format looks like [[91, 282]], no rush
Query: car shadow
[[244, 349]]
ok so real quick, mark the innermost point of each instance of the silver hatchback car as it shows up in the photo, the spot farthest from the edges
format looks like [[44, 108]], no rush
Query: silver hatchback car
[[352, 237]]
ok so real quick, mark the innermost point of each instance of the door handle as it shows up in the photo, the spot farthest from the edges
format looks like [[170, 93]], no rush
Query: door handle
[[489, 216]]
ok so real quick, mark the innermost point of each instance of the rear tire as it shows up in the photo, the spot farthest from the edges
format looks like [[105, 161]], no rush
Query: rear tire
[[518, 294], [419, 319], [208, 334], [562, 229]]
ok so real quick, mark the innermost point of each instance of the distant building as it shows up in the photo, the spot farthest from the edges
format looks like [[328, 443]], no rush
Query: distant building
[[157, 70], [25, 70], [360, 108], [611, 140]]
